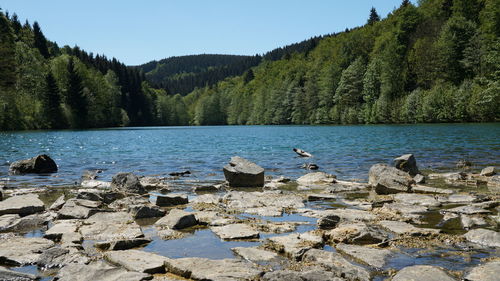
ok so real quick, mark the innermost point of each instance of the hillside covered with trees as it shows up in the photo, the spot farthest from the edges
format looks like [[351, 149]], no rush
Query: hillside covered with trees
[[438, 61]]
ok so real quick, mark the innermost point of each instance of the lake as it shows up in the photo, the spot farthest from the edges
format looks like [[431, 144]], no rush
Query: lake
[[346, 151]]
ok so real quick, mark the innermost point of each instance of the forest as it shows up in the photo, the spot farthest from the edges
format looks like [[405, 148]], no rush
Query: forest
[[438, 61]]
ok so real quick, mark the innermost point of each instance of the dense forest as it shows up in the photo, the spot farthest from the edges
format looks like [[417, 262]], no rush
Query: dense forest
[[438, 61]]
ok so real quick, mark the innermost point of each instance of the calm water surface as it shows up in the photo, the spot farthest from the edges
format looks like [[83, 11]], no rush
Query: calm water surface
[[347, 151]]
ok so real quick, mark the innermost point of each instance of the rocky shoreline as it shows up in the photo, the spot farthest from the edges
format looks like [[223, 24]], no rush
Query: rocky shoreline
[[401, 225]]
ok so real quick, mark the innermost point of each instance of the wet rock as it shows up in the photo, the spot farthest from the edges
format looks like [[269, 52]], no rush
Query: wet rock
[[427, 189], [206, 199], [417, 199], [295, 245], [335, 263], [127, 182], [22, 205], [458, 199], [235, 231], [145, 211], [65, 231], [206, 188], [387, 180], [488, 171], [6, 222], [11, 275], [469, 222], [318, 178], [110, 226], [321, 196], [310, 166], [357, 233], [407, 163], [78, 209], [450, 177], [254, 254], [206, 269], [52, 257], [98, 271], [124, 203], [265, 211], [370, 256], [171, 200], [489, 271], [152, 183], [419, 179], [177, 219], [468, 210], [139, 261], [180, 174], [37, 165], [21, 224], [328, 222], [123, 244], [310, 275], [243, 173], [400, 227], [483, 237], [95, 184], [422, 272], [58, 203], [20, 251]]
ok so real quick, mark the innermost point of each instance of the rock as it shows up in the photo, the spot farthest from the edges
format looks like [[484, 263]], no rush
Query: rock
[[449, 177], [243, 173], [427, 189], [206, 269], [345, 186], [419, 179], [52, 257], [416, 199], [469, 222], [347, 214], [265, 211], [400, 227], [422, 272], [171, 200], [458, 199], [58, 203], [321, 196], [11, 275], [22, 224], [310, 166], [206, 188], [244, 200], [489, 271], [65, 231], [463, 164], [370, 256], [90, 174], [110, 226], [254, 254], [310, 275], [407, 163], [139, 261], [22, 205], [335, 263], [6, 222], [145, 211], [295, 245], [206, 199], [127, 182], [20, 251], [1, 194], [235, 231], [123, 244], [387, 180], [151, 183], [89, 194], [124, 203], [98, 271], [177, 219], [406, 210], [40, 164], [302, 153], [468, 210], [494, 182], [316, 178], [328, 222], [95, 184], [180, 174], [110, 197], [488, 171], [357, 233], [483, 237], [77, 209]]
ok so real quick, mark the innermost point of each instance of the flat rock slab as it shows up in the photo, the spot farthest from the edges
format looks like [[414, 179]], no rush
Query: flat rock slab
[[177, 219], [335, 263], [6, 221], [11, 275], [78, 209], [65, 231], [295, 245], [95, 184], [344, 214], [422, 272], [19, 251], [468, 210], [254, 254], [58, 256], [358, 233], [371, 256], [318, 178], [489, 271], [139, 261], [98, 271], [171, 200], [145, 211], [483, 237], [244, 200], [110, 226], [22, 205], [123, 244], [265, 211], [400, 227], [427, 189], [206, 269], [416, 199], [458, 199], [235, 231], [310, 275]]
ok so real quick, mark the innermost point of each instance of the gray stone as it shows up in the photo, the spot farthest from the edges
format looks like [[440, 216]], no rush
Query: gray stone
[[265, 211], [122, 244], [489, 271], [90, 194], [127, 182], [206, 269], [417, 199], [22, 205], [254, 254], [20, 251], [335, 263], [357, 233], [494, 182], [407, 163], [95, 184], [245, 200], [6, 222], [310, 275], [422, 272], [427, 189], [469, 222], [243, 173], [235, 231], [295, 245], [65, 231], [400, 227], [124, 203], [318, 178], [151, 183], [321, 196], [58, 257], [206, 199], [11, 275], [419, 179], [177, 219], [40, 164], [1, 194], [21, 224], [171, 200], [206, 188], [76, 209], [139, 261], [98, 271], [483, 237], [458, 199], [488, 171], [468, 210], [145, 211], [387, 180], [58, 203], [110, 226], [328, 222], [371, 256]]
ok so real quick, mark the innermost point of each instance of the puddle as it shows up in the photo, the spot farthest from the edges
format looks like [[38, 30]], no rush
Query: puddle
[[33, 269]]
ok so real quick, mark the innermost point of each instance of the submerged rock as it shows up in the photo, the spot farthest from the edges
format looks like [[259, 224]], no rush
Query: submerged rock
[[127, 182], [22, 205], [407, 163], [37, 165], [243, 173], [11, 275], [422, 272], [387, 180]]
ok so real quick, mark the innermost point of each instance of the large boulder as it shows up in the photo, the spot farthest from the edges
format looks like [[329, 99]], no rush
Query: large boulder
[[407, 163], [22, 205], [37, 165], [243, 173], [387, 180], [127, 182]]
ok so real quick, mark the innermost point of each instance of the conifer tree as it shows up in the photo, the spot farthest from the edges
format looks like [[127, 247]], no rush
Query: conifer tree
[[374, 17], [76, 99], [52, 103], [40, 40]]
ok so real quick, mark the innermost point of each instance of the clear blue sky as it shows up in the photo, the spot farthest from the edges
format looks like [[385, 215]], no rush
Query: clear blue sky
[[136, 32]]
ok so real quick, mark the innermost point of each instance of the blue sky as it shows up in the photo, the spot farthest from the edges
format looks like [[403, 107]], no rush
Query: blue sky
[[136, 32]]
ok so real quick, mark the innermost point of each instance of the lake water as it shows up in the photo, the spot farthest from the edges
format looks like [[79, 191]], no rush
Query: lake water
[[346, 151]]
